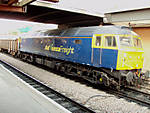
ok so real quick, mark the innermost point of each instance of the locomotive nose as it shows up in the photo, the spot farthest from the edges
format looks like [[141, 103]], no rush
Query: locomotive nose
[[130, 53], [129, 60]]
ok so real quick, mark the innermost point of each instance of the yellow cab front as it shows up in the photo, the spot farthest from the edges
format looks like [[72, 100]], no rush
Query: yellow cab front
[[130, 53]]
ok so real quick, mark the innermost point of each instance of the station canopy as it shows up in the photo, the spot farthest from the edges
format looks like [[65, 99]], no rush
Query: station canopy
[[45, 12]]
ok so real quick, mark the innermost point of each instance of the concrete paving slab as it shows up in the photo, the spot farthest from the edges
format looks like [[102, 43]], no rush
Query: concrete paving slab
[[18, 97]]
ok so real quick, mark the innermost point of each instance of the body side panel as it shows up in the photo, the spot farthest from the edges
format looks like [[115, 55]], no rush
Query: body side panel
[[60, 48]]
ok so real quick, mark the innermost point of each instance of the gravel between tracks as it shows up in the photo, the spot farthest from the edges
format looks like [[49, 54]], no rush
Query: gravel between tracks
[[98, 100]]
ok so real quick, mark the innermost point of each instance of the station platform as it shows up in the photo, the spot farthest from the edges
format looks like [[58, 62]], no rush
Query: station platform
[[16, 96]]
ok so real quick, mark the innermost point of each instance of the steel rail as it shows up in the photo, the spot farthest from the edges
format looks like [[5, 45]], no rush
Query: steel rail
[[59, 98], [134, 95]]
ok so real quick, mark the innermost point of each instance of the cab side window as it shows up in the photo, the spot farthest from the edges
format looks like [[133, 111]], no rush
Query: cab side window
[[137, 43], [110, 41], [98, 41]]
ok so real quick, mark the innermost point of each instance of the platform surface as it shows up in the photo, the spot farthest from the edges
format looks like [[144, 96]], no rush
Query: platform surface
[[16, 97]]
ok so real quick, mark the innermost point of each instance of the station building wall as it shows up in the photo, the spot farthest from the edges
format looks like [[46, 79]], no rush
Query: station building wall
[[144, 32]]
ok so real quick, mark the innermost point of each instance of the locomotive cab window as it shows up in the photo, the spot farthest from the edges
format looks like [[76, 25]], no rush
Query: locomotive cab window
[[110, 41], [98, 41], [125, 41], [137, 42]]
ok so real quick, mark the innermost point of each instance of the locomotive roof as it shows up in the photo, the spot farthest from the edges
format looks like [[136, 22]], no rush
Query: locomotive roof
[[87, 31]]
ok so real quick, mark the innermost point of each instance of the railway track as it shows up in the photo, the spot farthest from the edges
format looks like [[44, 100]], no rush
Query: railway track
[[64, 101], [144, 87], [146, 82], [134, 95]]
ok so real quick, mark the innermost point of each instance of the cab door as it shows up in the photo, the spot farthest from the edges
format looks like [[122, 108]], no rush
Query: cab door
[[110, 52], [96, 58]]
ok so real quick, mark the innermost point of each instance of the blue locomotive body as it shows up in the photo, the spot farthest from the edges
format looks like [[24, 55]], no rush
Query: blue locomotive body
[[76, 45], [72, 49], [59, 48]]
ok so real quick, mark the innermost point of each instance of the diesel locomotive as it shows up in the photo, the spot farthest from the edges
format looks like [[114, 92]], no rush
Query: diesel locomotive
[[109, 55]]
